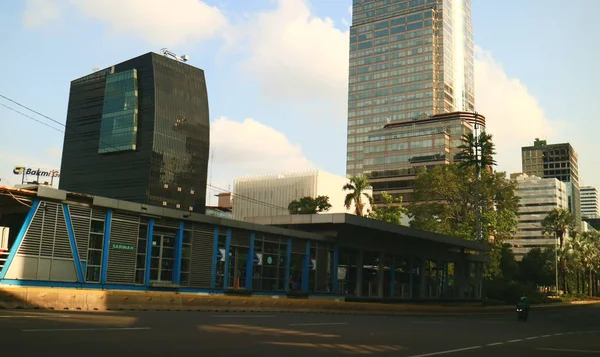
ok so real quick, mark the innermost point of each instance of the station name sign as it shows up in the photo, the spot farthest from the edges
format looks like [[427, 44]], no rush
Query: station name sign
[[20, 170]]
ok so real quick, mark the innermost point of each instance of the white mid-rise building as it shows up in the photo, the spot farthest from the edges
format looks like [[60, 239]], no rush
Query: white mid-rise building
[[589, 202], [270, 195], [538, 196]]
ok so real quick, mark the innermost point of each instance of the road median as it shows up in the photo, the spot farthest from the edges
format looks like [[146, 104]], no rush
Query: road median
[[99, 300]]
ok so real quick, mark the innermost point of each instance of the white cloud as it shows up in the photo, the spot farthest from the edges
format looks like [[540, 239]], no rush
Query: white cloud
[[297, 56], [249, 148], [513, 115], [161, 22], [39, 12]]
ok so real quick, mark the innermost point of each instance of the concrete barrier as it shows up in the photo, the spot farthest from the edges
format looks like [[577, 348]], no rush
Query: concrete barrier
[[98, 300]]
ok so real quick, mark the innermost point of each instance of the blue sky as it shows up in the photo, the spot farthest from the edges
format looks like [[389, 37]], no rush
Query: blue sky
[[277, 74]]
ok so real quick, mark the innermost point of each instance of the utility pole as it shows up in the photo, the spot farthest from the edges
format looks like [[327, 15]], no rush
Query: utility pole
[[478, 154]]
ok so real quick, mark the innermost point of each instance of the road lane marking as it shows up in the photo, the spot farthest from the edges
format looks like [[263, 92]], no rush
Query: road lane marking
[[558, 334], [31, 316], [567, 350], [242, 316], [447, 352], [517, 340], [495, 344], [87, 329], [532, 338], [320, 324], [545, 335]]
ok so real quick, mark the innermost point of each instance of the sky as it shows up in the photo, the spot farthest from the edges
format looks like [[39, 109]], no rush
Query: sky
[[277, 73]]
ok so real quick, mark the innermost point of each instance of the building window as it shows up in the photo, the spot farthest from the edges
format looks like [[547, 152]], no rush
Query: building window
[[118, 128], [140, 265], [96, 243]]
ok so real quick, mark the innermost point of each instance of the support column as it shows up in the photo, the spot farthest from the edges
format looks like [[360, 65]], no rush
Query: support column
[[74, 250], [148, 252], [227, 249], [411, 276], [334, 270], [288, 263], [250, 263], [213, 282], [422, 279], [381, 274], [305, 268], [15, 247], [105, 246], [393, 277], [359, 272], [178, 253]]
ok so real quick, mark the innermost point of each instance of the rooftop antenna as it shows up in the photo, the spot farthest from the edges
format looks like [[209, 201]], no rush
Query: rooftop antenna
[[168, 53], [95, 69]]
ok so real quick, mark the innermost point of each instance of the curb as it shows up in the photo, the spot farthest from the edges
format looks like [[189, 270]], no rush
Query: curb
[[63, 299]]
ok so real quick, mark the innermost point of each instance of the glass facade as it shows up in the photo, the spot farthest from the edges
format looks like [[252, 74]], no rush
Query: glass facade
[[118, 130], [407, 58], [139, 131]]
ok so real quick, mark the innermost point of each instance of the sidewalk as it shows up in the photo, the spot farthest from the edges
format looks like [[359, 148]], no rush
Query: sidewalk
[[98, 300]]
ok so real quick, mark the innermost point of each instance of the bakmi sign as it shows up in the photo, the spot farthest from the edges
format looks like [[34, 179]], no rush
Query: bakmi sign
[[22, 170]]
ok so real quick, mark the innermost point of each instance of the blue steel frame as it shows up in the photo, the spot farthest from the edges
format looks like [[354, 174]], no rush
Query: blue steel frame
[[17, 244], [288, 263], [227, 249], [393, 276], [250, 263], [213, 280], [148, 252], [334, 269], [105, 246], [178, 252], [74, 251], [305, 268]]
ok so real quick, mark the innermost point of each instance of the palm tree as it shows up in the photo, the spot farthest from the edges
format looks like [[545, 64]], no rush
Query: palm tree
[[477, 151], [559, 222], [358, 185]]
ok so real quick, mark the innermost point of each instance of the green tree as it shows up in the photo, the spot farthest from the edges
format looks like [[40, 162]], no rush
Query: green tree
[[309, 205], [358, 185], [559, 223], [537, 267], [509, 268], [391, 211], [477, 151]]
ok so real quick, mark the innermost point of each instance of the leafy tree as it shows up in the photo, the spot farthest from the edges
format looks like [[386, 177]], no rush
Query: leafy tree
[[309, 205], [462, 200], [559, 223], [444, 202], [509, 268], [358, 185], [538, 267], [391, 211]]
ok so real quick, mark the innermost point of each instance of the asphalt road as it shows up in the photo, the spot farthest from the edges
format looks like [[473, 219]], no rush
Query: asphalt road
[[572, 332]]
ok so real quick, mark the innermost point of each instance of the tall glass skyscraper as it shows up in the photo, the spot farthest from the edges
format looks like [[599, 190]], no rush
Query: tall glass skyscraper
[[409, 60]]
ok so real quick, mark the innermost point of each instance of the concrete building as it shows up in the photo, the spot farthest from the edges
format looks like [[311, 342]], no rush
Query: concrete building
[[270, 195], [394, 153], [555, 161], [538, 196], [589, 202], [406, 58]]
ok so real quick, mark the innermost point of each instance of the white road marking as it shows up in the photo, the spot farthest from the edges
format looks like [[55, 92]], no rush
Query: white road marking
[[320, 324], [545, 335], [495, 344], [447, 352], [87, 329], [567, 350], [517, 340], [558, 334], [532, 338], [429, 322], [242, 316], [30, 316]]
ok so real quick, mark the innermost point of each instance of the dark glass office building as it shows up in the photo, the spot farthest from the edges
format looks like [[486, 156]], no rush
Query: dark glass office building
[[139, 131]]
